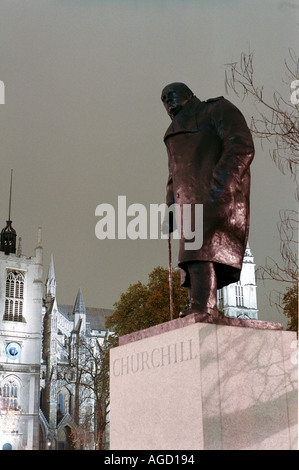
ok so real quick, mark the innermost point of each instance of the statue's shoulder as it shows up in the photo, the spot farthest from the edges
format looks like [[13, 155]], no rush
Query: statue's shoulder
[[213, 100]]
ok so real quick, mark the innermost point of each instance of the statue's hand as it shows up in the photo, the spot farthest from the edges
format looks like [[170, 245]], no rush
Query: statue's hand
[[168, 225]]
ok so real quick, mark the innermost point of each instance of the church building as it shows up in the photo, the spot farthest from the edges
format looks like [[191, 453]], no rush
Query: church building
[[39, 408], [72, 337]]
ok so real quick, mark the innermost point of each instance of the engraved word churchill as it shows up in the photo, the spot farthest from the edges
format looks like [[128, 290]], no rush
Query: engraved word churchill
[[155, 358]]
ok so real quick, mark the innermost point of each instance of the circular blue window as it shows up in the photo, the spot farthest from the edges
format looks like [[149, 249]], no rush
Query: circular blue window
[[7, 446], [13, 350]]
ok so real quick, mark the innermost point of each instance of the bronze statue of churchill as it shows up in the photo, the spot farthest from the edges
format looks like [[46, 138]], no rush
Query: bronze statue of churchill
[[210, 149]]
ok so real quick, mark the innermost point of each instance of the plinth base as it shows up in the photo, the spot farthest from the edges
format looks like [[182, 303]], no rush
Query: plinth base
[[201, 384]]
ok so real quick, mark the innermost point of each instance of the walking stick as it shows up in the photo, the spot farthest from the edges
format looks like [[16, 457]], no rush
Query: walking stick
[[170, 277]]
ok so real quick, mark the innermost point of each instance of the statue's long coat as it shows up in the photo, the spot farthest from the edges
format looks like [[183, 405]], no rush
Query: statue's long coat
[[210, 149]]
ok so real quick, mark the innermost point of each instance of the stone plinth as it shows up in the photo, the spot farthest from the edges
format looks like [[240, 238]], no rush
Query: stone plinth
[[202, 384]]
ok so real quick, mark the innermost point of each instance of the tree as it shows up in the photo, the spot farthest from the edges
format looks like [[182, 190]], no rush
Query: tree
[[290, 307], [277, 123], [143, 306], [88, 373]]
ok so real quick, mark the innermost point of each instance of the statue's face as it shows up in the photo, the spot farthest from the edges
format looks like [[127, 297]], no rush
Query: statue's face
[[174, 97]]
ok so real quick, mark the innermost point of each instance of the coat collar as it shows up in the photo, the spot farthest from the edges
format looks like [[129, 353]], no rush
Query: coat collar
[[185, 120]]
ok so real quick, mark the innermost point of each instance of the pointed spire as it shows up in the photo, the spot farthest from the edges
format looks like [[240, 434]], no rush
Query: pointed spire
[[9, 206], [51, 272], [39, 248], [79, 314], [51, 280], [248, 256], [79, 306], [39, 238]]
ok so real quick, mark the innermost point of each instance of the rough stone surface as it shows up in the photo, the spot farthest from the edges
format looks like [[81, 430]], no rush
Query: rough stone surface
[[203, 385]]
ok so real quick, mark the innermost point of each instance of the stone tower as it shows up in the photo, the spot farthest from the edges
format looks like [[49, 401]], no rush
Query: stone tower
[[21, 293], [238, 300], [49, 356]]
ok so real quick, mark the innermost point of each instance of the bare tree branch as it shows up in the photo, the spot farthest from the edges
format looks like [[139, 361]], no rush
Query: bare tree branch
[[277, 121], [89, 367]]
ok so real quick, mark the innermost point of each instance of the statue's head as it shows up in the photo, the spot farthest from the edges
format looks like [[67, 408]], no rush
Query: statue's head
[[174, 97]]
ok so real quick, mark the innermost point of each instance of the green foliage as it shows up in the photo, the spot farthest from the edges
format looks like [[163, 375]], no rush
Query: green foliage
[[143, 306], [290, 307]]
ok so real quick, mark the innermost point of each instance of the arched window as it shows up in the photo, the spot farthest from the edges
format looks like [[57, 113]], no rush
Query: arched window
[[14, 296], [220, 299], [9, 395], [61, 403], [239, 294]]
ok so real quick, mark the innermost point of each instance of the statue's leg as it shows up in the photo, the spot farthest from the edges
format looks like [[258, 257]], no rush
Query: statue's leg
[[203, 288]]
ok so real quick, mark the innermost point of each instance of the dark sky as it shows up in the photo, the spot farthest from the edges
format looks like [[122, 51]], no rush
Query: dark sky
[[83, 123]]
